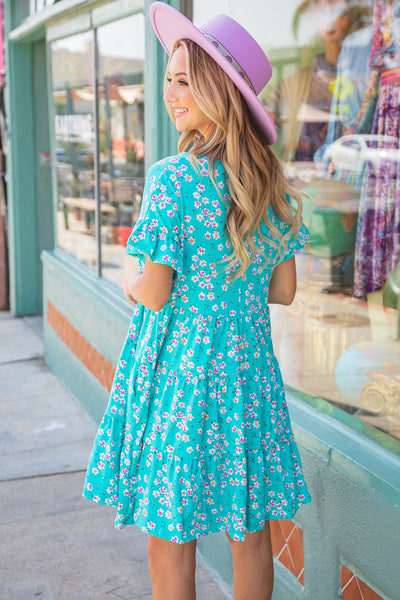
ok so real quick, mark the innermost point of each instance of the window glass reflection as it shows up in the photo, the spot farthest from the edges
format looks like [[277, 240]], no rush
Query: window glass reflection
[[121, 94], [72, 83], [334, 95]]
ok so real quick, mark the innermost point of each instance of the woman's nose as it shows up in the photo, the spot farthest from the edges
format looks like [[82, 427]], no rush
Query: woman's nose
[[169, 94]]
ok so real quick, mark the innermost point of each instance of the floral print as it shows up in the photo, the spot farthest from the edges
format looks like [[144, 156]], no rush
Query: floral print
[[377, 248], [385, 51], [196, 437]]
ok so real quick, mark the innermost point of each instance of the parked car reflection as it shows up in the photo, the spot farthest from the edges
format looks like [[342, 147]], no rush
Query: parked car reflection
[[353, 150]]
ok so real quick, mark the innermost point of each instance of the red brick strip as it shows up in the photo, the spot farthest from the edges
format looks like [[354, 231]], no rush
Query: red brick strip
[[95, 363]]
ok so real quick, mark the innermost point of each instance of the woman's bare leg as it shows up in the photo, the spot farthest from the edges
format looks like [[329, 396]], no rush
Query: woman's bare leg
[[253, 568], [172, 569]]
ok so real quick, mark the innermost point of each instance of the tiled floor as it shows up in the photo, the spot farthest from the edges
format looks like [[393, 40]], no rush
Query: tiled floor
[[287, 546], [355, 589]]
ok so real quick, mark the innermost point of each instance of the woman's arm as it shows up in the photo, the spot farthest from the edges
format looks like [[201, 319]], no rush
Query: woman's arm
[[152, 288], [282, 287]]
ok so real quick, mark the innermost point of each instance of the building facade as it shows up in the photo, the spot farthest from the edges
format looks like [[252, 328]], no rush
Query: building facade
[[85, 120]]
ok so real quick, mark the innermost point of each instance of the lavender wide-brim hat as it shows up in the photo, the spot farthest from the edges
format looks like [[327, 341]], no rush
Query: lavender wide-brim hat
[[231, 46]]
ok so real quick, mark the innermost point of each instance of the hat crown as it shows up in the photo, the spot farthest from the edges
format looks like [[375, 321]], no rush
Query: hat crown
[[242, 47], [232, 48]]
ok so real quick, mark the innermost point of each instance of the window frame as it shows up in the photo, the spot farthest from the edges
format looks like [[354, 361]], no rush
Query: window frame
[[83, 23]]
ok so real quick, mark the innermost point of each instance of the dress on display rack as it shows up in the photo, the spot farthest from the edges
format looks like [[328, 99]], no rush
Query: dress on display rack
[[378, 229]]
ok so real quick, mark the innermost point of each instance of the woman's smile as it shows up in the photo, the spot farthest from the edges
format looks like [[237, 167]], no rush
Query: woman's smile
[[179, 112], [178, 94]]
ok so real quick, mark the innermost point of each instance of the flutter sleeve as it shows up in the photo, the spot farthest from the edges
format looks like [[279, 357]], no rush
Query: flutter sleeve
[[294, 242], [157, 232]]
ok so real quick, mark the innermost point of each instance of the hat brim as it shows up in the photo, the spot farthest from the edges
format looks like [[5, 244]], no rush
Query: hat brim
[[170, 25]]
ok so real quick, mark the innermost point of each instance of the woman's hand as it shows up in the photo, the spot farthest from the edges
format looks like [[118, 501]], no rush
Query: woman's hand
[[128, 295], [152, 288], [282, 287]]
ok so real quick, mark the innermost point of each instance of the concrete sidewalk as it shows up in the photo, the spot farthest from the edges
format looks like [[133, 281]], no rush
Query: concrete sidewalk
[[54, 545]]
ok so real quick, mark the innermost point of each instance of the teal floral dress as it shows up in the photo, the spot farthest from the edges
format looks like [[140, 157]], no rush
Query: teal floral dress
[[196, 437]]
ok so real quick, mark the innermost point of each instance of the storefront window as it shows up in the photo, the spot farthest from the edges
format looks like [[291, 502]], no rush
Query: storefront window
[[120, 95], [334, 95], [74, 143]]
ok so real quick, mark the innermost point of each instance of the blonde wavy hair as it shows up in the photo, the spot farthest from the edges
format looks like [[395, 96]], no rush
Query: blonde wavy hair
[[255, 176]]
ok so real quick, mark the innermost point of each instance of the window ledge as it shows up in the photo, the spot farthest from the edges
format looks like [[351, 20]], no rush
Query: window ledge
[[344, 446]]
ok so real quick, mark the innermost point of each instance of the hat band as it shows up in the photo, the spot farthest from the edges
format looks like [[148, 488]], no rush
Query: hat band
[[229, 57]]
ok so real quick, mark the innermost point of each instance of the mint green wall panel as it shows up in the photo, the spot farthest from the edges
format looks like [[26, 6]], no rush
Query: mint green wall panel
[[41, 128], [85, 388], [100, 314], [24, 281], [95, 308], [30, 189]]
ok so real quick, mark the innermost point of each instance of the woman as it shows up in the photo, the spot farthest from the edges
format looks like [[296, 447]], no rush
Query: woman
[[197, 438]]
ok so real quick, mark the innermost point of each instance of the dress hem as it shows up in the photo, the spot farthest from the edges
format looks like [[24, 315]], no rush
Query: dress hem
[[222, 529]]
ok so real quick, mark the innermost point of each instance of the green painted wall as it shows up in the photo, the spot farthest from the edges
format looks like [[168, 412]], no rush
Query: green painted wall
[[23, 244], [43, 175], [29, 184], [97, 310]]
